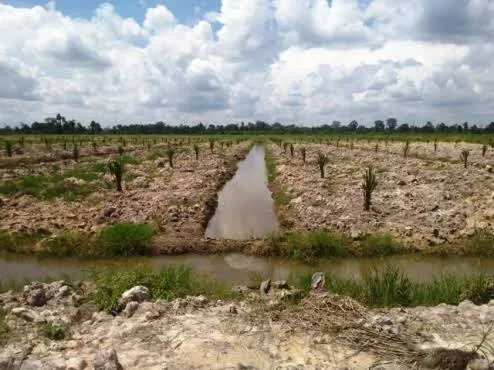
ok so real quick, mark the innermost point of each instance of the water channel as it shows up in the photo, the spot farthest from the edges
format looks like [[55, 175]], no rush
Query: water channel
[[245, 210]]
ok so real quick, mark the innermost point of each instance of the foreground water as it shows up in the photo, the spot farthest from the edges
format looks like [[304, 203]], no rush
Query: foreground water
[[245, 207], [238, 268]]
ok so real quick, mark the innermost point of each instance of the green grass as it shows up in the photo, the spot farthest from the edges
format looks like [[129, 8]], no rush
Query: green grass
[[167, 284], [390, 287], [307, 246], [123, 239], [270, 166], [55, 331], [481, 244], [281, 197], [379, 245], [13, 243]]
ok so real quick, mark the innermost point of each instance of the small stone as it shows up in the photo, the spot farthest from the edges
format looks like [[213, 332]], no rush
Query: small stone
[[281, 284], [488, 168], [109, 211], [199, 300], [435, 233], [24, 313], [402, 183], [76, 363], [107, 361], [318, 281], [265, 286], [64, 291], [136, 294], [130, 309], [36, 297], [232, 309], [434, 208], [479, 364]]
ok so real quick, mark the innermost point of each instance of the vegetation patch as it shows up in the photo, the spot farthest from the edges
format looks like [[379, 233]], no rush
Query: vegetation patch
[[480, 244], [390, 287], [168, 283], [55, 331], [4, 328], [371, 245]]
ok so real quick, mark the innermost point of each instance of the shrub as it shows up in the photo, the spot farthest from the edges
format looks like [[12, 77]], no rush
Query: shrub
[[369, 184], [65, 244]]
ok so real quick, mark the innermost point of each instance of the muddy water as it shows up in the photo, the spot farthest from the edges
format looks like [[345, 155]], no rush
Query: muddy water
[[245, 207], [238, 268]]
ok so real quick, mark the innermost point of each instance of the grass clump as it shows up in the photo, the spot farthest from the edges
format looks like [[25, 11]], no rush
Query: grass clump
[[170, 153], [379, 245], [369, 184], [406, 149], [390, 287], [8, 148], [481, 243], [196, 151], [303, 152], [270, 167], [168, 283], [307, 245], [65, 244], [55, 331], [123, 239]]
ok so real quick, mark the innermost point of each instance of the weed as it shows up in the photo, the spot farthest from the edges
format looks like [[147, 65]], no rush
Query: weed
[[54, 331], [484, 150], [65, 244], [376, 148], [435, 145], [120, 150], [464, 157], [369, 184], [292, 150], [322, 161], [211, 145], [388, 287], [117, 168]]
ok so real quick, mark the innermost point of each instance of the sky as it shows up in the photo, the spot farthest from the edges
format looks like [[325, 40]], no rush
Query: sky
[[219, 61]]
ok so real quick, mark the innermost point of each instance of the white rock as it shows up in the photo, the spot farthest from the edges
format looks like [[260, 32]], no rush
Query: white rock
[[136, 294], [76, 363]]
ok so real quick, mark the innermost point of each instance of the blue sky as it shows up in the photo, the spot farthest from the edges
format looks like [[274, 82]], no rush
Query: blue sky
[[184, 10]]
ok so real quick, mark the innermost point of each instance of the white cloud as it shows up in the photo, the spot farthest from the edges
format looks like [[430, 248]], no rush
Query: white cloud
[[288, 60]]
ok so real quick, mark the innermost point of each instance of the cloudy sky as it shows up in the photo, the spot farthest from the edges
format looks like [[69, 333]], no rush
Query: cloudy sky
[[216, 61]]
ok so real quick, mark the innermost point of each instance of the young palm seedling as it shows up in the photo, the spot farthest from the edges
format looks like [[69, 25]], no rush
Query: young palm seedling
[[322, 161], [292, 150], [116, 167], [120, 150], [196, 150], [484, 150], [211, 145], [368, 186], [376, 148], [8, 148], [406, 149], [170, 153], [464, 157], [285, 146], [95, 146], [75, 153], [303, 153], [435, 145]]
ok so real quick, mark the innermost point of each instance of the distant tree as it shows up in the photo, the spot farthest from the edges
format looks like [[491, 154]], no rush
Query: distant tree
[[404, 127], [391, 123], [352, 126], [379, 125]]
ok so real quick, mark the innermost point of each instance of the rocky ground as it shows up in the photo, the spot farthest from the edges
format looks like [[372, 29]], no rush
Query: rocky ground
[[427, 199], [262, 331], [176, 200]]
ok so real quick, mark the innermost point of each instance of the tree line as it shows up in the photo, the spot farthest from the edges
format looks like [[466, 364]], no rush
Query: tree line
[[60, 125]]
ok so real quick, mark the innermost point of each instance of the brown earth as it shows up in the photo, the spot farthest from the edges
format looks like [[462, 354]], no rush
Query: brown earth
[[426, 200]]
